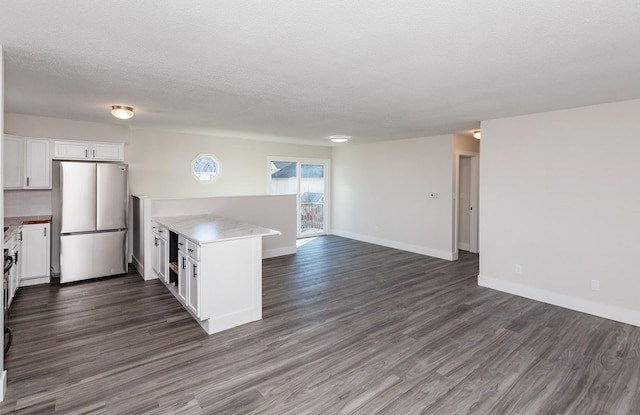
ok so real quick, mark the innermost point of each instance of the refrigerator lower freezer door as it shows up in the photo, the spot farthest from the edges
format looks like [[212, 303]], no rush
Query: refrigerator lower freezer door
[[92, 255]]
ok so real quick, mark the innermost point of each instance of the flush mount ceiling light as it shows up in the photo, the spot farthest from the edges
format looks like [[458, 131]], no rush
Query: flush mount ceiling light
[[339, 138], [476, 134], [122, 112]]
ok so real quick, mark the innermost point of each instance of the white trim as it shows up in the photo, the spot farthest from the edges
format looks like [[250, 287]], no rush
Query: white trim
[[464, 246], [327, 188], [271, 253], [417, 249], [622, 315], [3, 385], [138, 265], [25, 282]]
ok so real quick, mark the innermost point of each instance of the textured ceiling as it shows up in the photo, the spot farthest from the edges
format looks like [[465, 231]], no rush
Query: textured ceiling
[[374, 70]]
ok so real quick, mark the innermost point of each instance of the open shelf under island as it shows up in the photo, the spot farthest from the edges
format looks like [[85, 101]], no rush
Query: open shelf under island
[[213, 266]]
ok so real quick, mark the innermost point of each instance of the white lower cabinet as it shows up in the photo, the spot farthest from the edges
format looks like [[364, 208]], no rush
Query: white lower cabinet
[[13, 279], [219, 283], [34, 258], [188, 276], [160, 250], [183, 270], [193, 286]]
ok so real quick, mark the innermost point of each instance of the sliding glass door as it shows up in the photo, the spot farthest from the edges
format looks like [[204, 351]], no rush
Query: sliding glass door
[[308, 181]]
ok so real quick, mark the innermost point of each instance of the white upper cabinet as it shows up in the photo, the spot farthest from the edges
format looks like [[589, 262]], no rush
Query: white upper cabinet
[[108, 151], [13, 162], [37, 169], [26, 163], [84, 150], [70, 150]]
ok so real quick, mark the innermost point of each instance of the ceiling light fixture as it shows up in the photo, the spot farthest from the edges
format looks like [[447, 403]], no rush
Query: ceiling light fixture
[[339, 138], [476, 134], [122, 112]]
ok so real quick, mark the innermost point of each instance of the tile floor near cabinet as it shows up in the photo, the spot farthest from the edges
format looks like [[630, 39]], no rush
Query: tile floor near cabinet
[[348, 328]]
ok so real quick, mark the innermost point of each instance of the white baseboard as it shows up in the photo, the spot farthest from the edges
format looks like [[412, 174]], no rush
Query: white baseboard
[[417, 249], [3, 385], [464, 246], [622, 315], [270, 253], [25, 282], [138, 265]]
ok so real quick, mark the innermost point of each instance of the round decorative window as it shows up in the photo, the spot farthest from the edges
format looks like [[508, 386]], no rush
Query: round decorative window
[[205, 168]]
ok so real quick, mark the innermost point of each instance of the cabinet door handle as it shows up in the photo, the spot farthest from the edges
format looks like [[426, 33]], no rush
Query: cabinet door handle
[[184, 265], [156, 241], [16, 258], [86, 152], [195, 270], [190, 250], [94, 153], [45, 232], [27, 182], [20, 233], [180, 243]]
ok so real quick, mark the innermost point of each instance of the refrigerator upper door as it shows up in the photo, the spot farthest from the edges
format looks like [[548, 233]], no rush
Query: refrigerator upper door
[[78, 197], [111, 200]]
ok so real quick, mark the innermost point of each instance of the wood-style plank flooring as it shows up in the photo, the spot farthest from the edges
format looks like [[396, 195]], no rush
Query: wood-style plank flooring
[[348, 328]]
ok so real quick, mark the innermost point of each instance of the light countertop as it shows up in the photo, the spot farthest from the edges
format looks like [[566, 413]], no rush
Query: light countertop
[[13, 223], [204, 229]]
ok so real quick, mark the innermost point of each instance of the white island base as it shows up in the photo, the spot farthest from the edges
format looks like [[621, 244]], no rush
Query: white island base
[[216, 268]]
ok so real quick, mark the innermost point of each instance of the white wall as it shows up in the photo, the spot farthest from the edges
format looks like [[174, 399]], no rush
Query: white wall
[[274, 212], [3, 373], [27, 202], [381, 194], [559, 196], [160, 163]]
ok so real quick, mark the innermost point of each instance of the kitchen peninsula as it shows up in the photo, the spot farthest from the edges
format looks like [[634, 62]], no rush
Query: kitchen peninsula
[[213, 266]]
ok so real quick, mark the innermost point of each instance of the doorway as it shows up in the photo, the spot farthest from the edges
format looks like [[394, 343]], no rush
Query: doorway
[[308, 180], [466, 206]]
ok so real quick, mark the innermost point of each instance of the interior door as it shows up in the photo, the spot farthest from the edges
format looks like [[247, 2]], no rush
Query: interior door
[[307, 180]]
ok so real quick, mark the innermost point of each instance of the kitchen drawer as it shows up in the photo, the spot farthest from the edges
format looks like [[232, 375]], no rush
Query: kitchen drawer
[[182, 243], [159, 230], [193, 250]]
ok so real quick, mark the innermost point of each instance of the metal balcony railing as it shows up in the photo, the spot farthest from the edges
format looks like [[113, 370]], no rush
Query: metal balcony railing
[[311, 217]]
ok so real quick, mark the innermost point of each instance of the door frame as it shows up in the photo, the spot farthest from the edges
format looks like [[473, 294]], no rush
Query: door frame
[[327, 188], [474, 243]]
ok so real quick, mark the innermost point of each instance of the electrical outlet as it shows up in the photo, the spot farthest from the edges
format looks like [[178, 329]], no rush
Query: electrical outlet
[[518, 269], [595, 285]]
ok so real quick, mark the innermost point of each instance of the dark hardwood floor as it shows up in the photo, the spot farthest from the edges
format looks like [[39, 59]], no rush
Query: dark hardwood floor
[[348, 328]]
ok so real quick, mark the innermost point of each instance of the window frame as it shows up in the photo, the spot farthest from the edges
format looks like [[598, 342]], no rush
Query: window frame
[[217, 163]]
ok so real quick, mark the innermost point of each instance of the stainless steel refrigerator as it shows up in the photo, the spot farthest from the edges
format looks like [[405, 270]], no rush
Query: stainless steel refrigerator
[[89, 204]]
